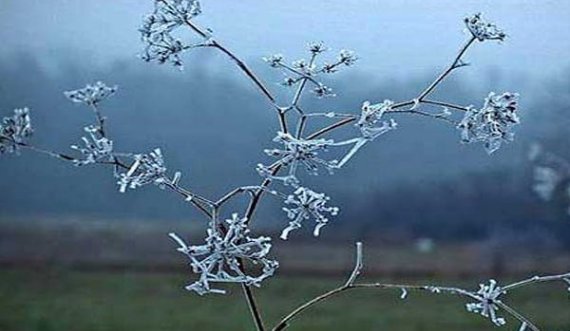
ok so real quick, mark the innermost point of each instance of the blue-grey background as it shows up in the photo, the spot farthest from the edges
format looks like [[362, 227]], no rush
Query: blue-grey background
[[75, 254], [212, 125]]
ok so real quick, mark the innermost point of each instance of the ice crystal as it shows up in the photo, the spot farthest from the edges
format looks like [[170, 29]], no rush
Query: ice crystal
[[221, 258], [304, 204], [483, 30], [14, 130], [156, 31], [488, 297], [95, 147], [91, 94], [493, 123], [317, 47], [370, 115], [307, 71], [322, 91], [146, 169], [274, 60], [347, 57], [297, 151]]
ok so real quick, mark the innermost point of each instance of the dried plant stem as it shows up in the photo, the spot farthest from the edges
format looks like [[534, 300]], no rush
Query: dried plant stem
[[351, 284], [253, 307], [454, 65]]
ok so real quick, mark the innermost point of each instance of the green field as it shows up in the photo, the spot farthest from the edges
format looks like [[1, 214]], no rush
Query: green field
[[73, 300]]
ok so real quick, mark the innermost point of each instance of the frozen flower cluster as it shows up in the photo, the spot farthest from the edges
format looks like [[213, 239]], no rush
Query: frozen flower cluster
[[370, 117], [304, 204], [303, 71], [297, 151], [14, 130], [95, 147], [157, 30], [483, 30], [91, 94], [146, 169], [222, 256], [488, 297], [493, 123]]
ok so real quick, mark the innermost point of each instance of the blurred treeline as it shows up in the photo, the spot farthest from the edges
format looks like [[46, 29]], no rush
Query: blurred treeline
[[418, 181]]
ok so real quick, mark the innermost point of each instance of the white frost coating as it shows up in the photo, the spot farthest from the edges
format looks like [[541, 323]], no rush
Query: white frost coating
[[220, 258], [483, 30], [156, 31], [371, 115], [488, 296], [493, 123], [298, 151], [15, 130], [96, 147], [358, 265], [91, 94], [146, 169], [302, 71], [304, 204]]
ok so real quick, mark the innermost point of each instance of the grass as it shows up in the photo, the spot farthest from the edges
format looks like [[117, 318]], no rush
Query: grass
[[105, 301]]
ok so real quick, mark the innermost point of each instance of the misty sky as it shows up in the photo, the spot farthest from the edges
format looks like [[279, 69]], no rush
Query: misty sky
[[391, 36]]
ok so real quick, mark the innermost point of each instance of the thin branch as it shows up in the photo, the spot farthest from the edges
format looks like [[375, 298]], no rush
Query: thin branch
[[444, 104], [358, 265], [517, 315], [253, 307], [100, 118], [301, 87], [454, 65], [537, 279], [351, 284]]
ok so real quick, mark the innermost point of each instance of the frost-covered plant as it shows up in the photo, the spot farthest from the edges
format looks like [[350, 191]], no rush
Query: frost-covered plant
[[486, 305], [96, 147], [295, 152], [146, 169], [483, 30], [230, 254], [91, 94], [301, 72], [493, 123], [304, 204], [157, 30], [487, 300], [15, 130], [221, 258]]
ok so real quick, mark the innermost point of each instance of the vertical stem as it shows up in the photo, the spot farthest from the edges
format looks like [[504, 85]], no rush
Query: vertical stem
[[253, 308]]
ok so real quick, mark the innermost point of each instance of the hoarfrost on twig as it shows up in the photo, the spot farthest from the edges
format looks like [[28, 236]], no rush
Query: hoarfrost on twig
[[492, 124], [157, 30], [221, 258], [304, 204], [145, 169], [14, 130], [91, 94], [483, 30], [488, 299], [95, 147]]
